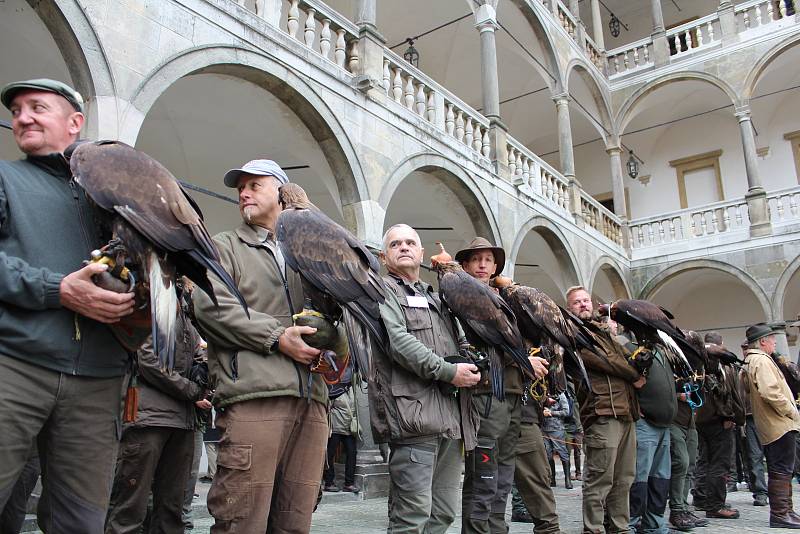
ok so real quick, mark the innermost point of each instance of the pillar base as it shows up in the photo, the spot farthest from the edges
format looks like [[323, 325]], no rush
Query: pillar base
[[760, 224]]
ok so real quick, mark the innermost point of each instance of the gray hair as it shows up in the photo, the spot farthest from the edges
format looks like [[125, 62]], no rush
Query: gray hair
[[395, 227]]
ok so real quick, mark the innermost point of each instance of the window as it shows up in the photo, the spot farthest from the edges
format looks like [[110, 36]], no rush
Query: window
[[699, 179]]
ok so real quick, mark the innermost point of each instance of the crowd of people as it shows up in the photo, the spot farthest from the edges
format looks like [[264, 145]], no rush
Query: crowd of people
[[116, 438]]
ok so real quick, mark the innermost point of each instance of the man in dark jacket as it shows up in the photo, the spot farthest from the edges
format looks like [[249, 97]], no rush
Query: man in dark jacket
[[60, 367], [412, 408], [608, 412], [158, 447], [658, 406], [716, 421]]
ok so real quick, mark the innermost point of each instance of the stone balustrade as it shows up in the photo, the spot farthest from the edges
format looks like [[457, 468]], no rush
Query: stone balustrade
[[784, 206], [630, 58], [724, 217], [601, 219], [593, 52], [410, 88], [757, 14], [566, 19], [535, 177], [694, 36]]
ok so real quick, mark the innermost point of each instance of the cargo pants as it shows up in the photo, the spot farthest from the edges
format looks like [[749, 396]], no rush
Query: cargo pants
[[532, 478], [489, 469]]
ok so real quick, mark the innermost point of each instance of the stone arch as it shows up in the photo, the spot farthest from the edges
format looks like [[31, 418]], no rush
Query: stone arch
[[455, 178], [779, 296], [614, 271], [756, 73], [557, 241], [600, 97], [273, 77], [83, 54], [555, 78], [659, 280], [625, 113]]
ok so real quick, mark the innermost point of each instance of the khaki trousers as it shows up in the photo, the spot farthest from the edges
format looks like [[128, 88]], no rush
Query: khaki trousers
[[77, 421], [269, 465], [532, 477], [610, 448]]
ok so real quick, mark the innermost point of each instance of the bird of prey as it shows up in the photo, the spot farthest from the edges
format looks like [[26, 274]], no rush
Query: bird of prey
[[543, 324], [156, 231], [340, 275], [652, 325], [483, 314]]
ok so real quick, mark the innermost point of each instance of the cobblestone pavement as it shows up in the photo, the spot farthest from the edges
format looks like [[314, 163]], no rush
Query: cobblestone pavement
[[338, 516]]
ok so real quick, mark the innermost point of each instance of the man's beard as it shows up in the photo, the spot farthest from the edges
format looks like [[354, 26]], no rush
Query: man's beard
[[585, 315], [248, 214]]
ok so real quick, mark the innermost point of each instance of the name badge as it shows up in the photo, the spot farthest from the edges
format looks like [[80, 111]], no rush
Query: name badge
[[417, 302]]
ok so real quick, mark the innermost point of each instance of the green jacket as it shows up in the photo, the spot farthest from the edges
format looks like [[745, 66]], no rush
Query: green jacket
[[241, 362], [46, 231]]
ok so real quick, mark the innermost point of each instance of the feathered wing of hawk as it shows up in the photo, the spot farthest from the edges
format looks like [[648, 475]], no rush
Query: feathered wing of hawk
[[541, 321], [483, 312], [652, 325], [340, 275], [155, 226]]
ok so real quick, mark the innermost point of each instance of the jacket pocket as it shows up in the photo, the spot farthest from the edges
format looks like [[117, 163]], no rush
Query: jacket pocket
[[422, 411], [231, 495]]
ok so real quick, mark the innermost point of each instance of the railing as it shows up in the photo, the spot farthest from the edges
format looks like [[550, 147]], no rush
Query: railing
[[758, 13], [694, 36], [684, 225], [630, 58], [594, 54], [317, 26], [600, 218], [539, 178], [784, 205], [413, 90], [566, 20]]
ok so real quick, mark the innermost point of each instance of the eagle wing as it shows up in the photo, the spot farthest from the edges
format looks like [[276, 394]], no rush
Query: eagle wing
[[338, 265]]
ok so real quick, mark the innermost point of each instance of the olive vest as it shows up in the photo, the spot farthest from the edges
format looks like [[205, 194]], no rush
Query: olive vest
[[404, 407]]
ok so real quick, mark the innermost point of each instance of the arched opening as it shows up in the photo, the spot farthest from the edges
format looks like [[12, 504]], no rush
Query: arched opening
[[441, 207], [706, 298], [544, 262], [789, 303], [28, 49], [684, 131], [254, 116], [775, 117], [608, 284]]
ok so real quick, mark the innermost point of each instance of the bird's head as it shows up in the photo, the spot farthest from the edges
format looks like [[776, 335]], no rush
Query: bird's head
[[501, 282], [292, 196], [442, 257]]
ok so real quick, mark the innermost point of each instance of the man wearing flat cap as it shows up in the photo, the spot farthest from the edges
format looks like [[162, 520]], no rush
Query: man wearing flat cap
[[61, 369], [489, 469], [272, 415], [777, 422]]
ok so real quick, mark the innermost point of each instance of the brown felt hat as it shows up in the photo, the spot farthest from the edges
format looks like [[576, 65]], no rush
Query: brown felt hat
[[480, 243]]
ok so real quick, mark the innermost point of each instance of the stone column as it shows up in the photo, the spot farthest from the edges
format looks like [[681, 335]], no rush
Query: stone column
[[659, 35], [756, 196], [370, 48], [372, 473], [781, 342], [597, 25], [575, 9], [486, 23], [566, 156], [617, 181], [727, 22]]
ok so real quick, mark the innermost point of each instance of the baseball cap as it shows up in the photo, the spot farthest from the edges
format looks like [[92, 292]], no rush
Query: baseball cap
[[259, 167]]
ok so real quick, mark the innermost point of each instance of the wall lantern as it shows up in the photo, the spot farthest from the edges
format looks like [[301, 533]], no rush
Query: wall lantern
[[613, 25], [411, 55], [633, 165]]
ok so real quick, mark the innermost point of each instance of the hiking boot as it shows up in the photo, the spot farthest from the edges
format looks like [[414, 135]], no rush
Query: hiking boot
[[681, 521], [723, 513], [698, 521], [760, 500], [331, 488], [567, 479], [521, 516], [350, 488]]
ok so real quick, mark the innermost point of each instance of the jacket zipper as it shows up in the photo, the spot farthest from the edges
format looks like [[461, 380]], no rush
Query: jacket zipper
[[291, 311], [78, 337]]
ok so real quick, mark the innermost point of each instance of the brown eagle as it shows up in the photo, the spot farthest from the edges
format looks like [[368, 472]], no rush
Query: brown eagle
[[652, 325], [156, 233], [483, 314], [340, 275], [543, 325]]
